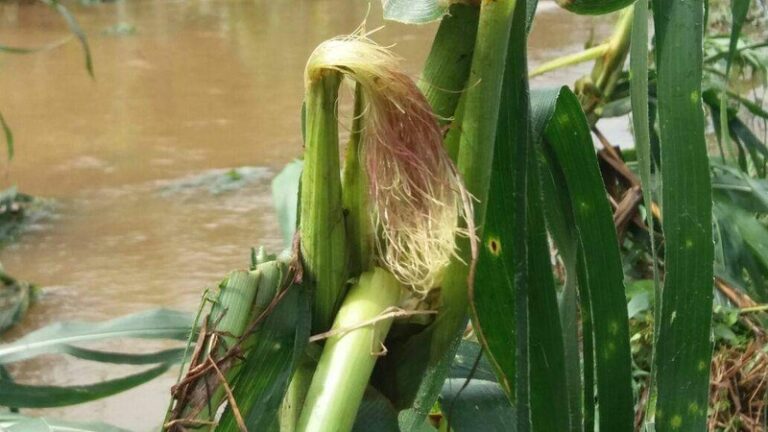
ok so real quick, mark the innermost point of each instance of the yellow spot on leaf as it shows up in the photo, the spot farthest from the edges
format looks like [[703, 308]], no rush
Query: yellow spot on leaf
[[695, 97], [693, 408], [494, 245], [676, 422]]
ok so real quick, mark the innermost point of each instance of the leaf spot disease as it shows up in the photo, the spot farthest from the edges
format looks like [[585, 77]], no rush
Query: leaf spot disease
[[676, 422], [702, 365], [494, 246], [613, 327], [695, 97], [693, 408], [610, 349]]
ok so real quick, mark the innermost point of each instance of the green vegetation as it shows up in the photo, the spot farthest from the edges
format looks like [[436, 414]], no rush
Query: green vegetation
[[487, 268]]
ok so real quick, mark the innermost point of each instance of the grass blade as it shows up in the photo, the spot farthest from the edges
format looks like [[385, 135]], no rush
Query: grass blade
[[683, 349]]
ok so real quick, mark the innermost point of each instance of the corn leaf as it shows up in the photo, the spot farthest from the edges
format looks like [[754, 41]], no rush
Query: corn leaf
[[500, 308], [594, 7], [683, 349], [414, 11], [376, 414], [559, 218], [75, 28], [568, 143], [447, 67], [21, 423], [739, 11], [548, 381], [172, 355], [31, 396], [57, 338], [8, 133], [477, 405], [285, 196]]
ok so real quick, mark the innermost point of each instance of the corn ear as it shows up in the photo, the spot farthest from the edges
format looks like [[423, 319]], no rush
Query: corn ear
[[321, 226]]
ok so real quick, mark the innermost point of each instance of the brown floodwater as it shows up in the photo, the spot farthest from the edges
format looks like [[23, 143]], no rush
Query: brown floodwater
[[136, 160]]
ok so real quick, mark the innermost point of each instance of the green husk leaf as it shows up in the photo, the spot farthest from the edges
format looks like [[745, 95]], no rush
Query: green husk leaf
[[321, 220]]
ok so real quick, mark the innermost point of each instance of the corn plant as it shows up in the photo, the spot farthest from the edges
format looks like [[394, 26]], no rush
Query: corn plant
[[423, 258], [417, 291]]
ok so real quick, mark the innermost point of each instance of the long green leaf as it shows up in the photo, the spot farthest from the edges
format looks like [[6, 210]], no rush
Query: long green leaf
[[56, 338], [739, 11], [594, 7], [8, 133], [21, 423], [172, 355], [569, 144], [30, 396], [75, 28], [683, 349], [639, 98], [447, 67], [500, 308], [548, 382], [559, 217]]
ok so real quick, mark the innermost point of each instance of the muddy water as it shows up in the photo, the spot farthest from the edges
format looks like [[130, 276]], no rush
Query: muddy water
[[138, 159]]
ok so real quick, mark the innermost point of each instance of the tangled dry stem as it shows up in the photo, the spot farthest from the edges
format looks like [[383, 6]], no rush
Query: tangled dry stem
[[739, 388], [416, 191]]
